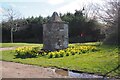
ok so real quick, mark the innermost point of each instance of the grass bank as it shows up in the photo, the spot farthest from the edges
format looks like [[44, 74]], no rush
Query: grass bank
[[99, 62], [18, 44]]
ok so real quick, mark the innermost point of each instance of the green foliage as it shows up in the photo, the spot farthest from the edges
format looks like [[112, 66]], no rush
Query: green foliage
[[61, 54], [27, 52], [112, 38], [56, 55], [67, 54], [50, 55], [78, 24], [32, 26]]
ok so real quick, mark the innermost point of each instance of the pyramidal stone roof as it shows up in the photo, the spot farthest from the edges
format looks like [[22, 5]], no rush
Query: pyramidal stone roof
[[55, 18]]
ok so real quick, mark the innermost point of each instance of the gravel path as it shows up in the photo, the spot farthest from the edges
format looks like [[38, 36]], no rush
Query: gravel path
[[17, 70], [7, 48]]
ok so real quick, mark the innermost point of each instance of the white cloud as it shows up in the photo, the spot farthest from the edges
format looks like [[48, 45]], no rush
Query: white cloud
[[70, 7], [22, 0], [12, 5], [55, 2], [76, 4]]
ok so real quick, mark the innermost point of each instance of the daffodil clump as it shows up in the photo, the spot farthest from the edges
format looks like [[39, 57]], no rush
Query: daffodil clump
[[27, 51], [33, 51], [72, 50]]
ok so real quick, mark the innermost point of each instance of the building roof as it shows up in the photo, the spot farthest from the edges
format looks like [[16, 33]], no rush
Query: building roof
[[55, 18]]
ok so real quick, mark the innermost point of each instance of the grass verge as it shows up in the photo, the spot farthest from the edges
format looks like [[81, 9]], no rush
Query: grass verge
[[18, 44]]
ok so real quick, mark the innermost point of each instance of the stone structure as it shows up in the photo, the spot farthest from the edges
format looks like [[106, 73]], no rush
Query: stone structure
[[55, 34]]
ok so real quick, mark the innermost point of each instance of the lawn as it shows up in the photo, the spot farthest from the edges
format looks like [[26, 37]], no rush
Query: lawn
[[99, 62], [18, 44]]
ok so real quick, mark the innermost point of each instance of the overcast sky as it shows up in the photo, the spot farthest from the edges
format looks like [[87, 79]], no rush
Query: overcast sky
[[44, 8]]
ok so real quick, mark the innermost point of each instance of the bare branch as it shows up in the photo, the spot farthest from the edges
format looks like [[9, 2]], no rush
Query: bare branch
[[10, 13]]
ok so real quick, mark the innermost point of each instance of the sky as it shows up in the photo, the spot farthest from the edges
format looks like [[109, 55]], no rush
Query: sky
[[28, 8]]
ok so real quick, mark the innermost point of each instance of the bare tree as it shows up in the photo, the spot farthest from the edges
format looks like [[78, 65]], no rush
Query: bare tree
[[112, 19], [91, 10], [10, 15], [109, 13]]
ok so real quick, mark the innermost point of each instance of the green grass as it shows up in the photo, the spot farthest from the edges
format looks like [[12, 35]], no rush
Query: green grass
[[31, 44], [18, 44], [99, 62]]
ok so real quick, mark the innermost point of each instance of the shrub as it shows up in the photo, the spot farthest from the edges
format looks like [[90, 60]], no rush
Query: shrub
[[56, 55], [61, 54], [67, 54], [50, 55], [27, 52], [73, 53]]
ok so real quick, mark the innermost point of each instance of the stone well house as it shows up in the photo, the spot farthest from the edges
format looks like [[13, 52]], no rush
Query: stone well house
[[55, 34]]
